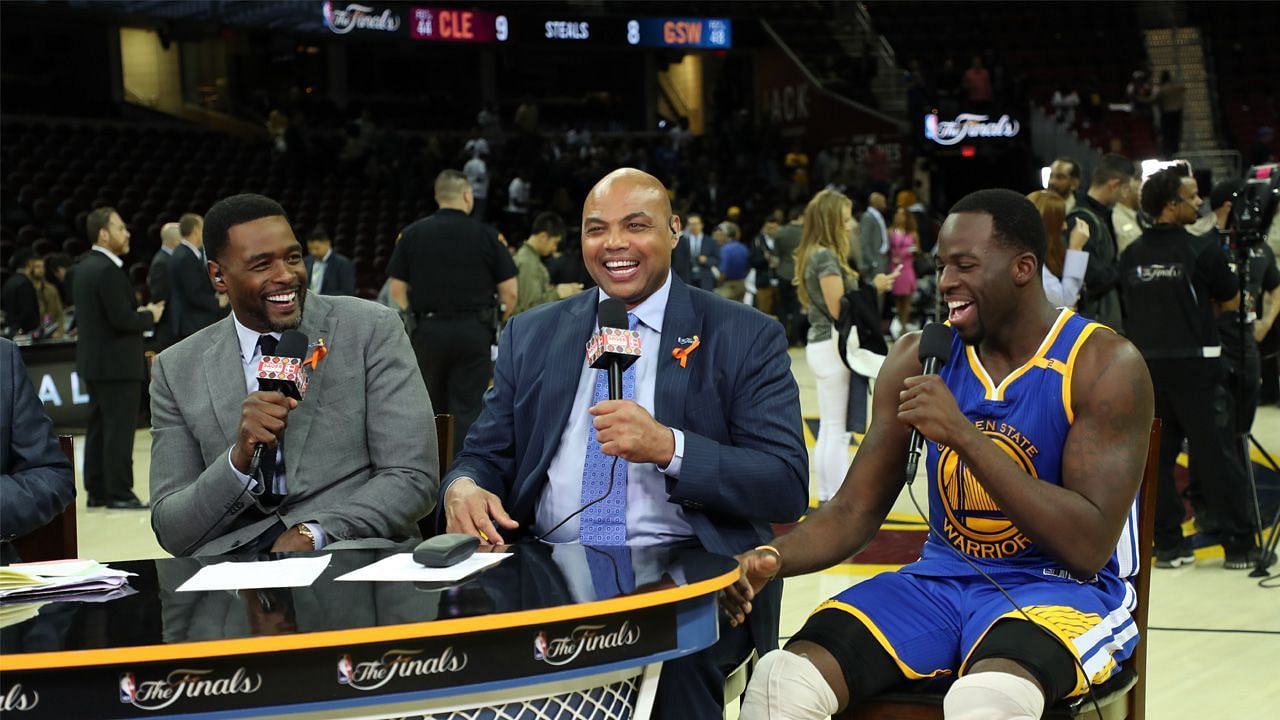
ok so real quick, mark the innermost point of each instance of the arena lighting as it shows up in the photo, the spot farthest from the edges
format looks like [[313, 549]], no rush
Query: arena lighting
[[1044, 177], [1152, 166], [968, 151]]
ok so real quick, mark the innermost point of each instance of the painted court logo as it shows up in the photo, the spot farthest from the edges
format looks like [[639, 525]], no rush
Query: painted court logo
[[974, 523]]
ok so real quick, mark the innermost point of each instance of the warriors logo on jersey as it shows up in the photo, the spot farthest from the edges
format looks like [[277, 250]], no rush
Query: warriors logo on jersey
[[974, 523]]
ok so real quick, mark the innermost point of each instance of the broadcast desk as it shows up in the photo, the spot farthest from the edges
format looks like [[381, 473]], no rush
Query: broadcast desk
[[545, 633]]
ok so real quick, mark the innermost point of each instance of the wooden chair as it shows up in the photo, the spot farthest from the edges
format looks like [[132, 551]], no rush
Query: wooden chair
[[444, 443], [1122, 697], [56, 539]]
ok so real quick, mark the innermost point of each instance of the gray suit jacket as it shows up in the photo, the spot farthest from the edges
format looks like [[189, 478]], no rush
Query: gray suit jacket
[[872, 262], [360, 450]]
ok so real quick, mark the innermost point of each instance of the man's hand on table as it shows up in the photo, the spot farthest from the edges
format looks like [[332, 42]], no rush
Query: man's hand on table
[[470, 509]]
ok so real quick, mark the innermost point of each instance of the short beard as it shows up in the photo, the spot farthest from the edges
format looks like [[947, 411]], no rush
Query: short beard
[[291, 325]]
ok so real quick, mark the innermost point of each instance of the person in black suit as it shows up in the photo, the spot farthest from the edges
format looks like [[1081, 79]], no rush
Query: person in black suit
[[195, 304], [21, 304], [109, 360], [704, 254], [36, 479], [682, 260], [159, 282], [330, 273]]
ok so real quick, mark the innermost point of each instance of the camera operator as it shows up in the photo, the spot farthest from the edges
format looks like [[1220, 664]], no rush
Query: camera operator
[[1255, 266], [1174, 284]]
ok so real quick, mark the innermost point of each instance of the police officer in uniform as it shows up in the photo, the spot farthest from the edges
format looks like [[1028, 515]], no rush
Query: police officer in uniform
[[445, 270], [1174, 284]]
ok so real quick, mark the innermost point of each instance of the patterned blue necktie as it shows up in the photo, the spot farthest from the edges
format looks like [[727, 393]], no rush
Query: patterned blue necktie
[[605, 523]]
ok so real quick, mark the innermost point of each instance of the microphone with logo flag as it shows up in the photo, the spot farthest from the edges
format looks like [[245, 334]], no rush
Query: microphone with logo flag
[[615, 347], [935, 348], [282, 373]]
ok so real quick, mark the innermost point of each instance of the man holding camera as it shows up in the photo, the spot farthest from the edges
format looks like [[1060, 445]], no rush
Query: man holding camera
[[1175, 284]]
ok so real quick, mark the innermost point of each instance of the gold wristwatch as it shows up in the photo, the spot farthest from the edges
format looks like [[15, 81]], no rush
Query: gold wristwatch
[[305, 531]]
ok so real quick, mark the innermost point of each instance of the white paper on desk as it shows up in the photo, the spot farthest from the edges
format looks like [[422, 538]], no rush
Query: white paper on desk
[[290, 572], [401, 568]]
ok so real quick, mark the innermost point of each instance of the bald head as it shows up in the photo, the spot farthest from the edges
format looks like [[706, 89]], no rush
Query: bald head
[[170, 235], [637, 185]]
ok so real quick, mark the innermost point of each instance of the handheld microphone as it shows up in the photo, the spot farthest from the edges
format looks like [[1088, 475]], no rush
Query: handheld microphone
[[935, 348], [282, 373], [615, 347]]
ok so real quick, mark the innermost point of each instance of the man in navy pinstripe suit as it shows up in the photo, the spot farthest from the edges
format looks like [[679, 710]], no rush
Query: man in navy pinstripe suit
[[712, 439]]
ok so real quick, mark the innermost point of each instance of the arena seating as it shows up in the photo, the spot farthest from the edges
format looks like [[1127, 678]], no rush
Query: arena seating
[[56, 172]]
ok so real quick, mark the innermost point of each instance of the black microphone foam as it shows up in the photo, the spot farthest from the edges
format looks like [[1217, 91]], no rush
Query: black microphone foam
[[935, 343], [612, 313], [935, 348]]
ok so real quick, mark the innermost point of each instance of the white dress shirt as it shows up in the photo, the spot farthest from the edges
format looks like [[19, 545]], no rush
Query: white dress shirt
[[112, 256], [652, 519], [249, 356]]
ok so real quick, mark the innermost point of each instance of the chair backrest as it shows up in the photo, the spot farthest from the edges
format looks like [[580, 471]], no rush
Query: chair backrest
[[444, 445], [1142, 584], [927, 704], [56, 539]]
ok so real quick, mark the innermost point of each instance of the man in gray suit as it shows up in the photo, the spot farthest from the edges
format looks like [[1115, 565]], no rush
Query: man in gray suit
[[160, 283], [875, 237], [358, 460]]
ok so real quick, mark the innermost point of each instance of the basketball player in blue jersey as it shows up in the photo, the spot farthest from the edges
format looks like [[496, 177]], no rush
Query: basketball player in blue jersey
[[1036, 432]]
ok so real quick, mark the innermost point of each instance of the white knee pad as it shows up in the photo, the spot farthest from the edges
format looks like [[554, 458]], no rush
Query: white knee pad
[[993, 696], [786, 686]]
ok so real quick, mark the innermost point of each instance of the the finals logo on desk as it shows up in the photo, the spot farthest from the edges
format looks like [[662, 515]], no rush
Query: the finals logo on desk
[[186, 683], [583, 640], [398, 663]]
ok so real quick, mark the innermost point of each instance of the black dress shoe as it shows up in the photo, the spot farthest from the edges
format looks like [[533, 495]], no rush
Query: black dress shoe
[[132, 503], [96, 502]]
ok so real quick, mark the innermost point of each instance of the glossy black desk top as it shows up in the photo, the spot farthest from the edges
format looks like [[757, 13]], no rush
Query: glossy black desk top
[[538, 583]]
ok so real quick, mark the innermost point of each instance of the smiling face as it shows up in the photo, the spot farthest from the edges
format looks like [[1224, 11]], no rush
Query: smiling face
[[628, 233], [976, 275], [263, 275]]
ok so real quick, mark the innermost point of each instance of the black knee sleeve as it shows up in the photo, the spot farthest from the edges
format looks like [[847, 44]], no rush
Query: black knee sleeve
[[1032, 647], [867, 667]]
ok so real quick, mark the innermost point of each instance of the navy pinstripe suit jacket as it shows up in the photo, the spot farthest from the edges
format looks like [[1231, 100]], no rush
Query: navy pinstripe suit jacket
[[745, 463]]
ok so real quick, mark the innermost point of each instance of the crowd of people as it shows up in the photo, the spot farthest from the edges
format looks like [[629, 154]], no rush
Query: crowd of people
[[537, 432], [718, 282]]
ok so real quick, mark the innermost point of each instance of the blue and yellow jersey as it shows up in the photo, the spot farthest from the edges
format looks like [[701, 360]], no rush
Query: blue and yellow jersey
[[1028, 415]]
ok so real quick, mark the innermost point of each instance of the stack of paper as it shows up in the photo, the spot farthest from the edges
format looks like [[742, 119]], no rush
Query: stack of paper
[[59, 580]]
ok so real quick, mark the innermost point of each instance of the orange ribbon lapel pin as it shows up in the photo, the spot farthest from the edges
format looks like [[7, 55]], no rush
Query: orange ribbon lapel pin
[[682, 353], [318, 351]]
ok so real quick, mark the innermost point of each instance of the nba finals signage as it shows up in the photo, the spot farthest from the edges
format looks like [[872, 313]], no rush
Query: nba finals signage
[[968, 126]]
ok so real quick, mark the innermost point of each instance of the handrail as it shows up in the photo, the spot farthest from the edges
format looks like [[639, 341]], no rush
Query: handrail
[[786, 49]]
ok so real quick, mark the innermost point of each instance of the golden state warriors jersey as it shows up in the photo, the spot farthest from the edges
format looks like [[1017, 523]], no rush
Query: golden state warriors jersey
[[1028, 415]]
